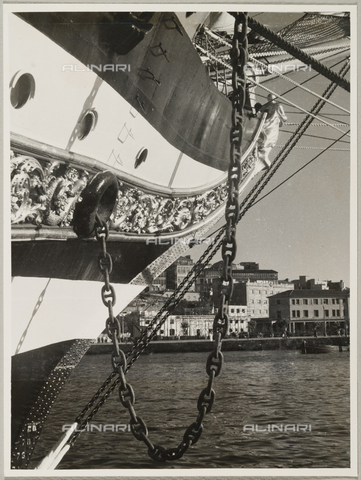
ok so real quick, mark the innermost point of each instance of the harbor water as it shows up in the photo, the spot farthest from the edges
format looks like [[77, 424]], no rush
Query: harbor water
[[273, 409]]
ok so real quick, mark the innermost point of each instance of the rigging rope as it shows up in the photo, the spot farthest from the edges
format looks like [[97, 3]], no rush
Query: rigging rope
[[318, 125], [279, 74], [116, 377], [292, 175], [321, 137], [318, 148], [294, 105], [298, 53], [302, 87], [273, 53], [311, 29], [301, 168], [283, 100]]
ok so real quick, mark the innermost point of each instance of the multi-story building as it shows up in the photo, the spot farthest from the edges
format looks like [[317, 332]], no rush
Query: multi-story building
[[241, 272], [176, 273], [184, 325], [160, 283], [253, 295], [238, 319], [304, 282], [307, 311]]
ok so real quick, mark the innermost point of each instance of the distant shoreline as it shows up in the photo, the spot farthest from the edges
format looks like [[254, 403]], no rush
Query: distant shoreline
[[234, 344]]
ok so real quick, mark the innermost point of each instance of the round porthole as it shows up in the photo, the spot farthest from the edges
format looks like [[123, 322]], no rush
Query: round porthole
[[22, 89], [87, 123], [141, 157]]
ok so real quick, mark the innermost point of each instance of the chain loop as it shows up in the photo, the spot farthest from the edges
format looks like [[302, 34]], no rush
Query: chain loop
[[138, 428], [206, 400], [120, 362]]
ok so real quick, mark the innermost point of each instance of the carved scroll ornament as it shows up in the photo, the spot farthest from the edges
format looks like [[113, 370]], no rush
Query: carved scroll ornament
[[45, 193]]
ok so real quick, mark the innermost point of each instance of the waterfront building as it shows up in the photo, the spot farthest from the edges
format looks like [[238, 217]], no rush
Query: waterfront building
[[307, 312], [253, 295], [200, 326], [238, 319]]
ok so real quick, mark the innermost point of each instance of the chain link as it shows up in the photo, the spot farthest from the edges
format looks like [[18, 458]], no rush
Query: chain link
[[220, 325], [120, 362]]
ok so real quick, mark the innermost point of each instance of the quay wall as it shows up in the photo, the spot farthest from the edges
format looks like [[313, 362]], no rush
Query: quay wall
[[241, 344]]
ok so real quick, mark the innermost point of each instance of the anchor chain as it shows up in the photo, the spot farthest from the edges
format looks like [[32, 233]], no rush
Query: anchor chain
[[220, 325]]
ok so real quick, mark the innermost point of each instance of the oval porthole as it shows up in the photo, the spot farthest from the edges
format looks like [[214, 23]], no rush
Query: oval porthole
[[22, 89], [87, 123], [141, 157]]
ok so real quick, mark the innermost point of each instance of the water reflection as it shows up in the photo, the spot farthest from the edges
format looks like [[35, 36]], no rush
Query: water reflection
[[255, 388]]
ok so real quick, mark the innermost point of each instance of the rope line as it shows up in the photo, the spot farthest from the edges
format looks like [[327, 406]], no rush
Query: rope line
[[299, 54], [283, 100], [302, 87], [301, 168], [279, 74], [318, 148]]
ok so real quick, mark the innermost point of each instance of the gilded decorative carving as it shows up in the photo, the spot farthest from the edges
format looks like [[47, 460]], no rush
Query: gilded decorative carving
[[45, 193]]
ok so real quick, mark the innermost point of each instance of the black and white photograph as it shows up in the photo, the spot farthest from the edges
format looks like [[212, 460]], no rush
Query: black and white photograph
[[180, 232]]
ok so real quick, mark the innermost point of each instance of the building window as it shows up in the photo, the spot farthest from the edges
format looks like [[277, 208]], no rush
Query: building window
[[293, 313], [334, 313], [293, 301], [298, 314], [325, 300], [327, 313], [232, 310], [337, 313], [333, 301], [315, 301], [297, 302], [172, 331], [305, 313], [171, 321], [305, 301], [337, 301], [316, 313]]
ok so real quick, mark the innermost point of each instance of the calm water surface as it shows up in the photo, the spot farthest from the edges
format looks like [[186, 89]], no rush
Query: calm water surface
[[254, 388]]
